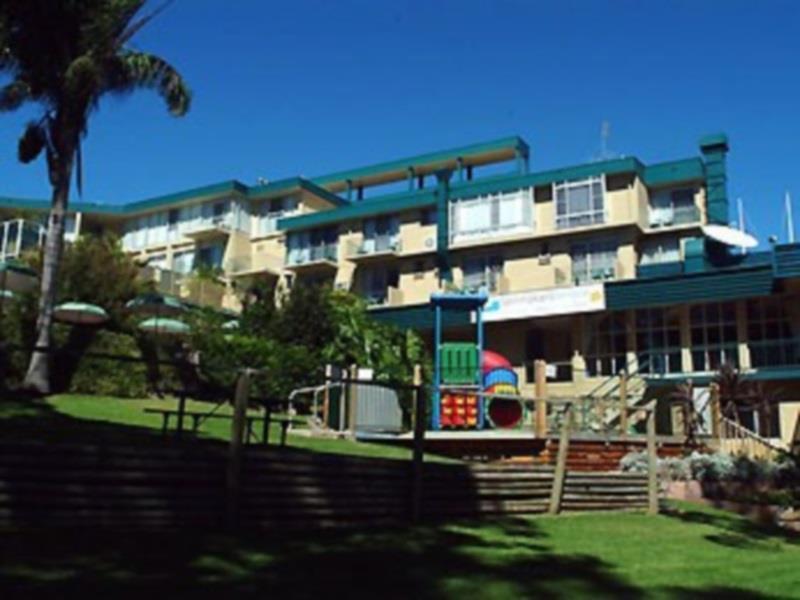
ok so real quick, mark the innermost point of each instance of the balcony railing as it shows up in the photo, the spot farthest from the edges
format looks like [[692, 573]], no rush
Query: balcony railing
[[196, 290], [220, 224], [379, 245], [681, 215], [599, 274], [392, 297], [321, 253], [248, 264]]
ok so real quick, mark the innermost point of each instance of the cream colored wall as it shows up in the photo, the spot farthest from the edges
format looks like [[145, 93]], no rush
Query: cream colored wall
[[788, 415], [416, 238], [417, 286]]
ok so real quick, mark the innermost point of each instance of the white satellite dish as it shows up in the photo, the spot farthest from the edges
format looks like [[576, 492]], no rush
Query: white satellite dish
[[730, 236]]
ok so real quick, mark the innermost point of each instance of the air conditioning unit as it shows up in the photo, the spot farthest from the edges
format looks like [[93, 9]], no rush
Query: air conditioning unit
[[341, 286], [544, 259], [430, 242]]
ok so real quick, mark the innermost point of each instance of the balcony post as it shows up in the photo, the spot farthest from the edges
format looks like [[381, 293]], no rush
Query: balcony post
[[540, 392]]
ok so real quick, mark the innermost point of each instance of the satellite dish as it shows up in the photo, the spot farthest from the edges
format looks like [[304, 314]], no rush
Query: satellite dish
[[730, 236]]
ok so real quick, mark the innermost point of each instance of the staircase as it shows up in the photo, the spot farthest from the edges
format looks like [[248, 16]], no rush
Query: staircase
[[601, 455], [604, 401]]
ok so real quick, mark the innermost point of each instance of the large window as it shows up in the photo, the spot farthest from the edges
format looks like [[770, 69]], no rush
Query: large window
[[660, 250], [580, 203], [482, 272], [714, 339], [210, 256], [593, 261], [183, 262], [492, 215], [770, 336], [380, 234], [658, 341], [311, 246], [673, 207], [606, 345]]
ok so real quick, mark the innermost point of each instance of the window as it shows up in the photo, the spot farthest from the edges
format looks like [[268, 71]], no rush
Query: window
[[660, 250], [658, 341], [157, 261], [380, 234], [210, 256], [183, 262], [375, 284], [311, 246], [482, 272], [495, 214], [606, 345], [580, 203], [593, 261], [673, 207], [271, 211], [770, 337], [714, 338]]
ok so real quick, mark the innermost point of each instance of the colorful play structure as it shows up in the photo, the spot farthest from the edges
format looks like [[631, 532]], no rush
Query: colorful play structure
[[474, 388]]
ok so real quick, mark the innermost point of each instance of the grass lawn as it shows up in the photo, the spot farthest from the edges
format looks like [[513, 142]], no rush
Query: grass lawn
[[689, 553], [70, 415]]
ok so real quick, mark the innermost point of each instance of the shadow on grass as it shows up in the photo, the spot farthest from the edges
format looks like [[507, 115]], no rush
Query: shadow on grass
[[503, 560], [735, 530]]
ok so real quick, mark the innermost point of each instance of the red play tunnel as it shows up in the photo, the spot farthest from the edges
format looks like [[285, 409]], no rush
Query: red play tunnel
[[505, 413]]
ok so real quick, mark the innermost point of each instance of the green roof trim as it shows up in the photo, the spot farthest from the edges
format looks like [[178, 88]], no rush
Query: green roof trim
[[708, 286], [419, 317], [666, 173], [191, 195], [360, 210], [428, 160]]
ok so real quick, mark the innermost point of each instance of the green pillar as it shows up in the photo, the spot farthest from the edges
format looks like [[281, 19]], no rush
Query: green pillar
[[443, 225], [349, 190], [714, 149], [410, 179]]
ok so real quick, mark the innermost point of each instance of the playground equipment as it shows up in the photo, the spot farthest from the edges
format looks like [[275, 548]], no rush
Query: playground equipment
[[473, 387]]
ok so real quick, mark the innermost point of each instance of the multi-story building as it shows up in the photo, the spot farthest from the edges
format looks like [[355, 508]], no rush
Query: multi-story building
[[596, 268]]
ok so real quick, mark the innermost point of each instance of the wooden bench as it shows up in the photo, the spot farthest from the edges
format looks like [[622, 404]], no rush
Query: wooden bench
[[199, 416]]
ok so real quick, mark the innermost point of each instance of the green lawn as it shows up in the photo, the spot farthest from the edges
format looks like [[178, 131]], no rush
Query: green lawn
[[87, 417], [691, 553]]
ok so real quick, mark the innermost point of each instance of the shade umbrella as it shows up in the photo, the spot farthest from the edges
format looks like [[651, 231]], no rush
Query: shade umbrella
[[80, 313], [230, 325], [157, 305], [162, 325], [6, 294]]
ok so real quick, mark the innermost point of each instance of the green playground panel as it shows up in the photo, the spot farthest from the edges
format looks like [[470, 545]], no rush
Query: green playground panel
[[459, 362]]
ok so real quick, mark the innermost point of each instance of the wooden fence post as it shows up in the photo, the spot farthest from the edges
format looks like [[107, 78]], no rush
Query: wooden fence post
[[540, 392], [716, 411], [560, 474], [326, 394], [352, 401], [234, 470], [652, 462], [418, 457], [623, 402]]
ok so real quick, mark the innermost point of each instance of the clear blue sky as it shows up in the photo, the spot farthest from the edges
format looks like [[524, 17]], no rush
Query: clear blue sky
[[307, 87]]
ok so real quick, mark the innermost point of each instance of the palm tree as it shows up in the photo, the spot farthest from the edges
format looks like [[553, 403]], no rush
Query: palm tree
[[64, 56]]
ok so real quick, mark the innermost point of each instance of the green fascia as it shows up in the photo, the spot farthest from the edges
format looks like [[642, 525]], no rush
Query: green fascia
[[674, 171], [713, 142], [388, 204], [282, 186], [428, 160]]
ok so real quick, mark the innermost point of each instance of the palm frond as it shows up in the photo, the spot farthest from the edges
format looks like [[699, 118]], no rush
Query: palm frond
[[135, 27], [32, 142], [14, 95], [143, 70]]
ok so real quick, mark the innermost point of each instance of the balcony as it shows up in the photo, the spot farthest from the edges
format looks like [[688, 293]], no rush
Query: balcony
[[674, 217], [320, 258], [600, 274], [248, 265], [190, 288], [208, 228], [18, 236], [392, 297], [373, 250]]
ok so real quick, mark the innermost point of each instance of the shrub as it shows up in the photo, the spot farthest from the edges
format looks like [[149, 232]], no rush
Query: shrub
[[711, 467], [108, 377]]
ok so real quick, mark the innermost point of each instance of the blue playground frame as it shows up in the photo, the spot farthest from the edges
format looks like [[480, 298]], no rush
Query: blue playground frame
[[463, 302]]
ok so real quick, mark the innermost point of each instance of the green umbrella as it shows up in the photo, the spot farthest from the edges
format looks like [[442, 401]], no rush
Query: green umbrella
[[233, 324], [158, 305], [80, 313], [160, 325], [6, 294]]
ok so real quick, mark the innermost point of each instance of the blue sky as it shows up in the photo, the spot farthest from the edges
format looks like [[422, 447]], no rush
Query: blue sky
[[308, 87]]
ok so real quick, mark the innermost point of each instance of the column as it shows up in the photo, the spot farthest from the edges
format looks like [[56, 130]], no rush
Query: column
[[741, 335]]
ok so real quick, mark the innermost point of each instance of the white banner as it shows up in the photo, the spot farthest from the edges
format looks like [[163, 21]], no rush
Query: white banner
[[546, 303]]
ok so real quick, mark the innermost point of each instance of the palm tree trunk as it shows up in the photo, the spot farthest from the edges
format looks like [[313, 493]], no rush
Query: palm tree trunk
[[37, 379]]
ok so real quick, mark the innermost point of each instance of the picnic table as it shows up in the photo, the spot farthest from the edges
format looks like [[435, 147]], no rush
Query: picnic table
[[198, 416]]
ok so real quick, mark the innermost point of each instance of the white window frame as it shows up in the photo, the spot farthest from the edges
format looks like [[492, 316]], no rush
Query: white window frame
[[595, 216], [493, 226], [591, 250]]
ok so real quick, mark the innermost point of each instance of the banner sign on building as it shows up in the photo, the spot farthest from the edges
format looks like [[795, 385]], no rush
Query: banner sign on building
[[545, 303]]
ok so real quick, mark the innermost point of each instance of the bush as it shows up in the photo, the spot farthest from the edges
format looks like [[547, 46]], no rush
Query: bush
[[106, 377], [711, 467]]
